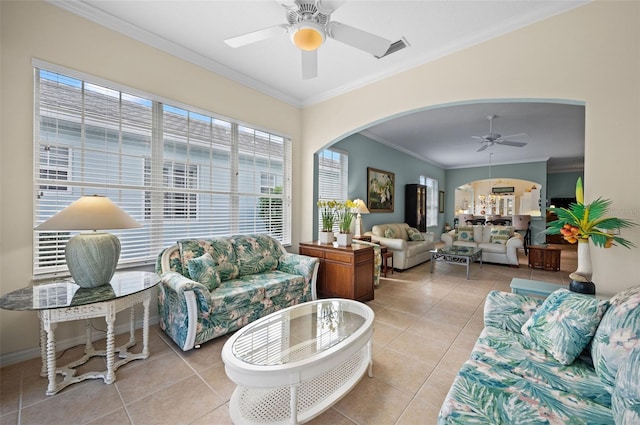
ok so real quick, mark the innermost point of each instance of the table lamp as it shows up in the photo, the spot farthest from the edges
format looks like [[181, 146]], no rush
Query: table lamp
[[91, 257], [361, 208]]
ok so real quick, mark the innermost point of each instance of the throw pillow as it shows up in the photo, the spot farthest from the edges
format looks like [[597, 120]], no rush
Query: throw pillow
[[465, 233], [203, 270], [617, 335], [389, 233], [500, 239], [500, 234], [414, 234], [565, 324]]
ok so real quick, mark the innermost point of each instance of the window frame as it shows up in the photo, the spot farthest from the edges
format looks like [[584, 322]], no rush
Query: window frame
[[151, 205]]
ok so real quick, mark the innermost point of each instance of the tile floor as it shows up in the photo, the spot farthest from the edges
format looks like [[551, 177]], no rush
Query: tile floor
[[426, 325]]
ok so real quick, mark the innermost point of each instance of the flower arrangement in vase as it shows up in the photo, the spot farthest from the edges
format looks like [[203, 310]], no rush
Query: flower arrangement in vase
[[327, 212], [345, 211], [580, 223]]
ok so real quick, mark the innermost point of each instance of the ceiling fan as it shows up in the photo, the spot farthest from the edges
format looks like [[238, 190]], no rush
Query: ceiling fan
[[309, 25], [497, 139]]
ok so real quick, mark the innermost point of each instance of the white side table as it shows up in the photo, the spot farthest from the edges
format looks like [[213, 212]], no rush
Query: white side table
[[65, 301]]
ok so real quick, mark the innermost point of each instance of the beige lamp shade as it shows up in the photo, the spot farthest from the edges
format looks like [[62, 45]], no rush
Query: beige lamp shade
[[92, 212], [361, 207], [92, 258]]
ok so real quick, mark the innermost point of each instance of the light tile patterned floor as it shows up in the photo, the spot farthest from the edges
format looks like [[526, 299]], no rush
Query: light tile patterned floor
[[425, 327]]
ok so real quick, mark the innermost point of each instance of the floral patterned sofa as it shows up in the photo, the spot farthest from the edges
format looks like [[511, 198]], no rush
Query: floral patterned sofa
[[569, 359], [210, 287]]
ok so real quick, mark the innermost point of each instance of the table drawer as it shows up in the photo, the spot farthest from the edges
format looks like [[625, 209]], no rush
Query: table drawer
[[339, 256]]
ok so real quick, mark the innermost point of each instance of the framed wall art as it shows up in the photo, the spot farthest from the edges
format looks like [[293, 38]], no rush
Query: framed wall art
[[380, 190], [441, 202]]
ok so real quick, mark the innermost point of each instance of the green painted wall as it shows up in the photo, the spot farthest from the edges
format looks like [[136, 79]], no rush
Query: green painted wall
[[365, 152], [563, 185]]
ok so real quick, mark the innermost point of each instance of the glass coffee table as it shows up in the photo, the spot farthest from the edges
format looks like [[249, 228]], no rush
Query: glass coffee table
[[457, 255], [293, 364]]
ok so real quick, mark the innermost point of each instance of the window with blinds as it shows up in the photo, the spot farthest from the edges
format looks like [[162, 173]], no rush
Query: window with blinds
[[180, 173], [333, 179], [432, 200]]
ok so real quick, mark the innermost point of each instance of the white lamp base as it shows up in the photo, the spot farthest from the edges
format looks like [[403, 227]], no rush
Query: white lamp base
[[92, 258], [358, 232]]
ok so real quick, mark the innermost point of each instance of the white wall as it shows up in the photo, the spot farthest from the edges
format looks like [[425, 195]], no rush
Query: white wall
[[590, 55], [33, 29]]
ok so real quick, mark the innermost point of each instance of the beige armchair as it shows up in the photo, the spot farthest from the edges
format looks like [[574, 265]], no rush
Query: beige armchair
[[406, 252]]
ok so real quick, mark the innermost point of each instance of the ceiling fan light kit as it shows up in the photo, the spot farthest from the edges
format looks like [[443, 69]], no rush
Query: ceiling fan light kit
[[309, 25], [307, 35]]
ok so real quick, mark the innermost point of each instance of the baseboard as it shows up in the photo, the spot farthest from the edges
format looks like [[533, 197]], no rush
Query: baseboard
[[32, 353]]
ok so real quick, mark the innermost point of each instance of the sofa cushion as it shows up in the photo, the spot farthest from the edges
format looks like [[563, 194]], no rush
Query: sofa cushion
[[220, 250], [617, 335], [414, 234], [495, 248], [465, 233], [565, 324], [389, 233], [255, 253], [509, 311], [507, 381], [203, 270], [626, 392]]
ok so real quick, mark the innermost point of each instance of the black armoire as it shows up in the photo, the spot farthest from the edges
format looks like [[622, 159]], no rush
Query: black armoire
[[415, 206]]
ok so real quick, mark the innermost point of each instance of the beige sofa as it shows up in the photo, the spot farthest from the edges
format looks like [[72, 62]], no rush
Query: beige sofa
[[499, 243], [406, 252]]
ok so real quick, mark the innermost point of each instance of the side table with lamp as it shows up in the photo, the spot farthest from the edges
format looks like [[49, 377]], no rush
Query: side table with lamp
[[91, 258]]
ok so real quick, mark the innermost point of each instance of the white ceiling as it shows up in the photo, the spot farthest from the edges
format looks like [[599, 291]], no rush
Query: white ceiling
[[196, 30]]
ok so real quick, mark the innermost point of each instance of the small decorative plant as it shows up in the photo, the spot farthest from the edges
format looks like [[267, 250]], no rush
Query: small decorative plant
[[327, 210], [345, 212], [581, 222]]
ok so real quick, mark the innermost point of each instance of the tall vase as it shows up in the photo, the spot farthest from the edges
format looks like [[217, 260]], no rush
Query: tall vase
[[581, 278]]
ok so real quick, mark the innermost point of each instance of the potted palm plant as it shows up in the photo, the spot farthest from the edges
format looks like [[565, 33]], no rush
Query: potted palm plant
[[580, 223]]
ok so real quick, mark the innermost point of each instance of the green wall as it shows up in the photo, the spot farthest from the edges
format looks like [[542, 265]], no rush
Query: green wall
[[365, 152], [563, 185]]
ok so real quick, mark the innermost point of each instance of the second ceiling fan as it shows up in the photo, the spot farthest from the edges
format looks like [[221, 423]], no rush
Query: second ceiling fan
[[496, 138], [309, 25]]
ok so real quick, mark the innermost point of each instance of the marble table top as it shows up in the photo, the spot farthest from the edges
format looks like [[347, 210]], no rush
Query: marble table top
[[66, 293]]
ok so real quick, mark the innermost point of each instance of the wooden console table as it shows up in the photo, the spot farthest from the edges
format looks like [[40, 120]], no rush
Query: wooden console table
[[345, 271], [544, 257]]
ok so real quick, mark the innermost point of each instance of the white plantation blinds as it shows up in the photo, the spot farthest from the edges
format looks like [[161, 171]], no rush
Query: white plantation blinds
[[432, 200], [180, 173], [333, 179]]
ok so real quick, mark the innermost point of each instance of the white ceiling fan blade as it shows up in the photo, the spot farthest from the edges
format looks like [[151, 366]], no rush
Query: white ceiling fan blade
[[515, 135], [329, 6], [357, 38], [309, 64], [255, 36], [510, 143], [477, 137], [289, 4], [483, 147]]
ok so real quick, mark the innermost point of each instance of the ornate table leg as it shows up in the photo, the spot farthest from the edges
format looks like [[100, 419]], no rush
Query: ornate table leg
[[43, 346], [51, 355], [110, 318], [370, 358], [145, 327]]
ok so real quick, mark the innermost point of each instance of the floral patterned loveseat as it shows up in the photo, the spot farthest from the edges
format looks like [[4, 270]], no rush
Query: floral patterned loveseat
[[210, 287], [522, 369]]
